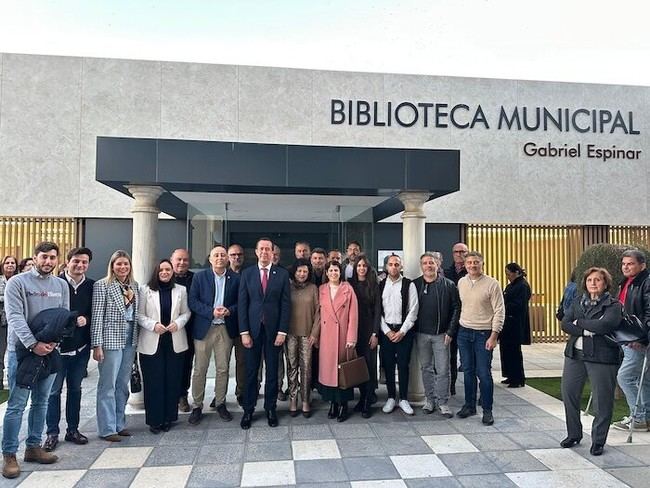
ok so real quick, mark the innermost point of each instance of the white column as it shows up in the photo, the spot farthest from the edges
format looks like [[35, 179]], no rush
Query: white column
[[145, 243], [413, 245]]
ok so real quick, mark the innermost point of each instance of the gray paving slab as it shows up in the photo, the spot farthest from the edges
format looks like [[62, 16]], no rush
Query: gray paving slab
[[443, 482], [215, 476], [435, 427], [183, 438], [613, 457], [360, 447], [492, 441], [515, 461], [640, 452], [225, 436], [107, 478], [634, 477], [307, 432], [395, 429], [320, 470], [352, 431], [395, 446], [268, 434], [220, 454], [172, 456], [486, 481], [370, 468], [534, 440], [268, 451], [340, 484], [466, 463]]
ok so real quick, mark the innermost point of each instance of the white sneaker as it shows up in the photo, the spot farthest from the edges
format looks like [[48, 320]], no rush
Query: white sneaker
[[428, 407], [406, 407], [389, 406], [445, 411]]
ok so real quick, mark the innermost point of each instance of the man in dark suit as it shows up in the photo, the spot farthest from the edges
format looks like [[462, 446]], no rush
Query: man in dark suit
[[264, 314], [213, 300], [180, 259]]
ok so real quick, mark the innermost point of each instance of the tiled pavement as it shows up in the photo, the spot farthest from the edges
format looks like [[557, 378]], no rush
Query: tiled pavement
[[520, 449]]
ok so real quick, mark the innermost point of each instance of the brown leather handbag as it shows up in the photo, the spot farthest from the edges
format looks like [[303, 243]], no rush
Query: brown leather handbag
[[352, 372]]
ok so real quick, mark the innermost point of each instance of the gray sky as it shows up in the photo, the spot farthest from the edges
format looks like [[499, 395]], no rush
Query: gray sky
[[560, 40]]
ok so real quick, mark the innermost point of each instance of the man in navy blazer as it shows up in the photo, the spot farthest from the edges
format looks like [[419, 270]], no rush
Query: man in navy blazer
[[264, 313], [213, 300]]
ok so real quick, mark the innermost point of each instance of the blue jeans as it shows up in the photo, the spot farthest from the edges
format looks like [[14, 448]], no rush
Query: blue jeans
[[477, 361], [113, 389], [628, 378], [73, 368], [16, 407]]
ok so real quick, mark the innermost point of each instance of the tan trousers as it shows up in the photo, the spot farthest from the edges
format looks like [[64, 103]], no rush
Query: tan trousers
[[298, 355], [217, 342]]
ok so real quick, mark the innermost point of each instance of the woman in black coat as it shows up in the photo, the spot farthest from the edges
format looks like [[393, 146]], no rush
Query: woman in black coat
[[589, 354], [366, 288], [516, 327]]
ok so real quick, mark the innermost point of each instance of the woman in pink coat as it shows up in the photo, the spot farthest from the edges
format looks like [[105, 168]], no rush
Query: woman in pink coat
[[338, 337]]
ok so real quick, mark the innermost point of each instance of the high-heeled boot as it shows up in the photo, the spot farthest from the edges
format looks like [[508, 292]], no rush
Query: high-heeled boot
[[333, 410], [343, 412]]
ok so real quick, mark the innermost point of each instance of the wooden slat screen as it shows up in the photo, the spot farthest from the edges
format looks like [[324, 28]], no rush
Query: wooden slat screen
[[19, 235], [548, 253], [633, 236]]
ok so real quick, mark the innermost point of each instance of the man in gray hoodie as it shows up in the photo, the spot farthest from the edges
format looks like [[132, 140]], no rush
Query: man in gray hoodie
[[26, 295]]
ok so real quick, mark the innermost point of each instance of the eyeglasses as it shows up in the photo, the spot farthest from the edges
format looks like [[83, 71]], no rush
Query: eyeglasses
[[236, 254], [460, 252]]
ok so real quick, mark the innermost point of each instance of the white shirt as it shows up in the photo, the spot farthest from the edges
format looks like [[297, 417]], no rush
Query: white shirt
[[72, 282], [392, 302]]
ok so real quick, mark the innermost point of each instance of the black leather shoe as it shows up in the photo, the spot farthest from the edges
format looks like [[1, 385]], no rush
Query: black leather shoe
[[195, 416], [517, 385], [76, 437], [505, 381], [569, 442], [155, 429], [596, 449], [166, 426], [213, 403], [246, 421], [331, 414], [50, 443], [488, 419], [343, 412], [465, 412], [293, 413], [223, 412], [272, 417], [365, 410], [306, 413]]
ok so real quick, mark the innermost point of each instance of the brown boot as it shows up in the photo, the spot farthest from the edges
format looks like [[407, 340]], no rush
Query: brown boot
[[39, 455], [10, 468]]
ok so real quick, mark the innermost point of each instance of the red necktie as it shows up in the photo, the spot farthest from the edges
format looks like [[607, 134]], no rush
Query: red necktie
[[265, 279]]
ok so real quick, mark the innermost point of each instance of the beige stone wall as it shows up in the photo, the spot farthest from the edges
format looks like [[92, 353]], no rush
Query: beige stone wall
[[53, 108]]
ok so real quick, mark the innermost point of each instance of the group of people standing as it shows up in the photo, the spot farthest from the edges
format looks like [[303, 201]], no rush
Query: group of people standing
[[320, 312]]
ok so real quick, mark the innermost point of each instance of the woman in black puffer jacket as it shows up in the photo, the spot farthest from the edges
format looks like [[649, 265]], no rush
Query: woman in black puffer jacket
[[590, 354]]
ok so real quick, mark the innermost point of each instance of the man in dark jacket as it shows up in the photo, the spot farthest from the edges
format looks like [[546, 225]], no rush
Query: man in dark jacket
[[75, 352], [180, 259], [436, 325], [455, 272], [634, 294]]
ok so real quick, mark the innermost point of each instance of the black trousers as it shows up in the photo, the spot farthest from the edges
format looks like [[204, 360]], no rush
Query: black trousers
[[161, 378], [397, 354], [512, 362], [368, 388], [453, 364], [262, 345], [188, 360]]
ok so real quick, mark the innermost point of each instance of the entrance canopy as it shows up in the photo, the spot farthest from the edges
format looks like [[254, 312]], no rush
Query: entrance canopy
[[185, 168]]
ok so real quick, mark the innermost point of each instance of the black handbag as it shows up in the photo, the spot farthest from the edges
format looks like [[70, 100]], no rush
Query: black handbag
[[136, 378], [631, 329]]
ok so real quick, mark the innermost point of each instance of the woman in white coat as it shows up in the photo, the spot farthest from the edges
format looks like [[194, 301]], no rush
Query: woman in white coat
[[163, 313]]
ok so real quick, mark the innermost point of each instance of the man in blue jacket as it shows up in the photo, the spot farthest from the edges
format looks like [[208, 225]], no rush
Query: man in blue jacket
[[264, 314], [213, 300]]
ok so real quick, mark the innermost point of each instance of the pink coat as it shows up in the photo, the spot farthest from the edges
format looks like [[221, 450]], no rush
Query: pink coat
[[338, 325]]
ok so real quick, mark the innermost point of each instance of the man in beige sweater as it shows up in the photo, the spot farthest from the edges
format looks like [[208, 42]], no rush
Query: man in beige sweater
[[481, 320]]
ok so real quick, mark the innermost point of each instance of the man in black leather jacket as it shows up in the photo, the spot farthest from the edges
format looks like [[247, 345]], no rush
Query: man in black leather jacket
[[436, 326], [634, 293]]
